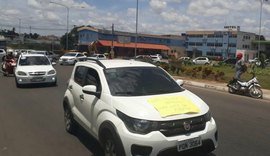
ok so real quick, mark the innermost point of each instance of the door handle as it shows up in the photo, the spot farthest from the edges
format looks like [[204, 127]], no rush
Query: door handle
[[81, 97]]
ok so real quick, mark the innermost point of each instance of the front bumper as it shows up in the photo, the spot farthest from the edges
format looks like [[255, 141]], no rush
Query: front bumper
[[155, 143], [66, 61], [36, 79]]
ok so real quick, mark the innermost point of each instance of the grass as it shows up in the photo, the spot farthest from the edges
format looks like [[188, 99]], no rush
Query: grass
[[222, 73]]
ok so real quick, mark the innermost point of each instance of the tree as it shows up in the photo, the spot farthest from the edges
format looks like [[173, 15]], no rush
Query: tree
[[72, 38]]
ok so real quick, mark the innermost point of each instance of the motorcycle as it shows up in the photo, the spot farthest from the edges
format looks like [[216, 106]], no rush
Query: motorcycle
[[8, 66], [251, 87]]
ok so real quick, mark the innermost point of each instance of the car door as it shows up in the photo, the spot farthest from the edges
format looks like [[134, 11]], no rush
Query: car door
[[85, 103], [201, 60], [89, 103], [76, 91]]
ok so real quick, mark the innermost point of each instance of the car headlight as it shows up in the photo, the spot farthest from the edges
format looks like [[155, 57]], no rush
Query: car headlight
[[51, 72], [139, 126], [21, 73], [208, 116]]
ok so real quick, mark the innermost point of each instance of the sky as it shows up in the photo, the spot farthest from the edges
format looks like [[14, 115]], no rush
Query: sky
[[154, 16]]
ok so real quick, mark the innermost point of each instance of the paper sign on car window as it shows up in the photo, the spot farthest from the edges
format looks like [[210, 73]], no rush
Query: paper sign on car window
[[173, 105]]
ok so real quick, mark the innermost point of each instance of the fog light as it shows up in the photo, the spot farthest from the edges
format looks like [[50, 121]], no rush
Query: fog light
[[20, 80], [137, 150]]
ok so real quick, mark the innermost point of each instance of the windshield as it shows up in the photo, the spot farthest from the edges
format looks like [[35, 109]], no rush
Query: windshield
[[34, 60], [70, 54], [140, 81]]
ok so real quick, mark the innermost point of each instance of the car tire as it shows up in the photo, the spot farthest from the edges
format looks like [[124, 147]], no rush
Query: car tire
[[17, 84], [75, 62], [111, 144], [70, 123]]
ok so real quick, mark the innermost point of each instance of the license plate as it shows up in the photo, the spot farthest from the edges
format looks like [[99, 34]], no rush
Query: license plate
[[189, 144], [37, 79]]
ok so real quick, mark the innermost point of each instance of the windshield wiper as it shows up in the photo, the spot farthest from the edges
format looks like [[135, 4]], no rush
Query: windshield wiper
[[128, 93]]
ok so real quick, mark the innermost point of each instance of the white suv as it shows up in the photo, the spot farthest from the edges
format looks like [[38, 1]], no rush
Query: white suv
[[136, 108]]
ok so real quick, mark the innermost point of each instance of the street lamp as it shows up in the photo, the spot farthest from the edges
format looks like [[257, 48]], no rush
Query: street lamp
[[259, 44], [67, 20], [136, 37]]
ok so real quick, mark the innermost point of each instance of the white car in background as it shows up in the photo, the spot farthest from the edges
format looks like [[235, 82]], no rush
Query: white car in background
[[201, 61], [2, 54], [155, 58], [71, 58], [33, 69], [98, 56]]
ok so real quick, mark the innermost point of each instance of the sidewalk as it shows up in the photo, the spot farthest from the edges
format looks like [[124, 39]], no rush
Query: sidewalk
[[215, 85]]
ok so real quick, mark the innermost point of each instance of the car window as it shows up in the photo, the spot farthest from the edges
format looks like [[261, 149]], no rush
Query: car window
[[140, 81], [92, 78], [79, 75], [70, 54], [79, 55]]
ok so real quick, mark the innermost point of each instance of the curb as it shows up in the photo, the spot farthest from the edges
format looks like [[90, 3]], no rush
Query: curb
[[219, 87]]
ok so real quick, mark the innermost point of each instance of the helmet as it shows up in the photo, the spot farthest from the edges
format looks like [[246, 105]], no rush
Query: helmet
[[239, 56]]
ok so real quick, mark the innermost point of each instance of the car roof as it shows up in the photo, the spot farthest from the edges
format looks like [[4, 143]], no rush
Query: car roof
[[117, 63], [32, 54]]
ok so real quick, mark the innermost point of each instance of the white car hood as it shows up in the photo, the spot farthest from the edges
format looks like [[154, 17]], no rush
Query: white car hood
[[67, 57], [27, 69], [139, 107]]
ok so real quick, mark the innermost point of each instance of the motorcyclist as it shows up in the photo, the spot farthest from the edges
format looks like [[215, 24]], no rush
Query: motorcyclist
[[239, 65], [8, 58], [239, 70]]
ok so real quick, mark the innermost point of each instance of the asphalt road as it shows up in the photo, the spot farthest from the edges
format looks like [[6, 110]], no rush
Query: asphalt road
[[31, 122]]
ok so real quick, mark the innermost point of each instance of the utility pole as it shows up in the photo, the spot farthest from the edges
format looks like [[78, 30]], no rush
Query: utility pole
[[112, 51]]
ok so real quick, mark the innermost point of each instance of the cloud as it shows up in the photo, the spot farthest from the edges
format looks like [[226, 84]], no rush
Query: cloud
[[158, 5], [207, 8]]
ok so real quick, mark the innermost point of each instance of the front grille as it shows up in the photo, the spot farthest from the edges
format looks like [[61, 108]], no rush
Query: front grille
[[177, 127], [39, 73]]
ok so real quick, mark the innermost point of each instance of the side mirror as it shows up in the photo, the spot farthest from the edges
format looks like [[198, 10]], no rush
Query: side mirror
[[91, 89], [180, 82], [53, 63]]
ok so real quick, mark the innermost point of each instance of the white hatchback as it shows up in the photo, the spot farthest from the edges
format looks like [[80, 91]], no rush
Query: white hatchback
[[71, 58], [136, 108], [201, 61], [34, 68]]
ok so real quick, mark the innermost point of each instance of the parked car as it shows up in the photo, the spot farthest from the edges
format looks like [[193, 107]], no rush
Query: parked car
[[183, 58], [51, 55], [136, 108], [71, 58], [201, 60], [34, 68], [144, 58], [2, 54], [156, 58], [98, 56]]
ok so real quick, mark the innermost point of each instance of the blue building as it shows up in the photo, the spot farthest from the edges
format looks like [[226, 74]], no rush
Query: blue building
[[123, 44], [221, 44]]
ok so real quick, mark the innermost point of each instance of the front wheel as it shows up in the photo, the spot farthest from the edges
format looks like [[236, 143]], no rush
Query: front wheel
[[255, 92], [111, 145], [70, 123]]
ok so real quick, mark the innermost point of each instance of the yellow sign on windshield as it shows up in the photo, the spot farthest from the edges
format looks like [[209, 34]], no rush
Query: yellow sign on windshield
[[173, 105]]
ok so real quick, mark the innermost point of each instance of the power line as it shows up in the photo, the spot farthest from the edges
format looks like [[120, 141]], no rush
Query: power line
[[33, 28]]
